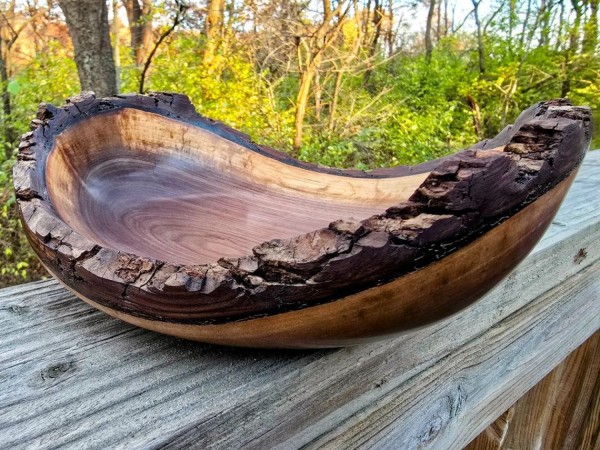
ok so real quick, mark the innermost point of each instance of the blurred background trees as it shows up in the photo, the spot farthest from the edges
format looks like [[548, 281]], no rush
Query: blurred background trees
[[347, 83]]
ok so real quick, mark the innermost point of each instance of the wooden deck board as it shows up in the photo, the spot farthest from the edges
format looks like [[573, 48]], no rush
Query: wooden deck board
[[73, 377]]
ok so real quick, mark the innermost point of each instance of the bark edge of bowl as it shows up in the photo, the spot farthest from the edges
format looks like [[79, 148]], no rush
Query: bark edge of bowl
[[470, 222]]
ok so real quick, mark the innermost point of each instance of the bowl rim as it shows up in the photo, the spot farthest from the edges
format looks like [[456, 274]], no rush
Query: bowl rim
[[543, 147]]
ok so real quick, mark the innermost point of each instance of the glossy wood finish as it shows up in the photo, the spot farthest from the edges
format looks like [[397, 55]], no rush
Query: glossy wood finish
[[180, 194], [414, 300], [156, 215]]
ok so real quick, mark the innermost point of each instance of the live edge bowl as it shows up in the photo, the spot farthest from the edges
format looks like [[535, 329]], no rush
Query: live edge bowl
[[179, 224]]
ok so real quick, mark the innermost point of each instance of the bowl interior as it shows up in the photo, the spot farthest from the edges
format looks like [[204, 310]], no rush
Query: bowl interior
[[142, 183]]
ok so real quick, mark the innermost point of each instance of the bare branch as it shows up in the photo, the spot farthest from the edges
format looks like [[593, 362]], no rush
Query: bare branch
[[181, 9]]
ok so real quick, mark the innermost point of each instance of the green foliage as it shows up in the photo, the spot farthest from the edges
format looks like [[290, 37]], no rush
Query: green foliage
[[50, 77], [17, 263], [230, 91]]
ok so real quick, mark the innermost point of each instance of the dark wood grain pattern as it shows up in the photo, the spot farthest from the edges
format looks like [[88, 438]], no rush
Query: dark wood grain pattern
[[168, 219], [409, 301], [149, 192]]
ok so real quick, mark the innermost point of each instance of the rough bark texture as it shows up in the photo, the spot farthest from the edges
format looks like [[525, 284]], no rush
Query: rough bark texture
[[465, 195], [88, 26]]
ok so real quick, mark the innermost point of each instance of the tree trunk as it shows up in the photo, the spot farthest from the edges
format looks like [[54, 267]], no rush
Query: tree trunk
[[377, 22], [558, 46], [479, 37], [214, 24], [545, 16], [88, 26], [524, 28], [9, 134], [428, 41], [301, 103], [334, 100], [446, 23], [134, 13], [476, 113], [512, 16], [318, 96], [572, 50], [366, 18], [179, 15], [140, 27], [323, 38], [390, 30], [438, 28], [147, 35], [115, 31], [590, 35]]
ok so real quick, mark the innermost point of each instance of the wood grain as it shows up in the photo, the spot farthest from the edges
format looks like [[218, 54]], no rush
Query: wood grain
[[427, 295], [560, 412], [178, 193], [494, 436], [71, 377], [130, 201]]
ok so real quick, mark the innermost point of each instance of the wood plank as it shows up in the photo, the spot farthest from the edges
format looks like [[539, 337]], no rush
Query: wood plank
[[487, 374], [552, 415], [558, 413], [591, 430], [494, 436], [72, 377], [582, 201]]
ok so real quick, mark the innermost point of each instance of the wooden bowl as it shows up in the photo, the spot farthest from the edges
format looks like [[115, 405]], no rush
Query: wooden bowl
[[182, 225]]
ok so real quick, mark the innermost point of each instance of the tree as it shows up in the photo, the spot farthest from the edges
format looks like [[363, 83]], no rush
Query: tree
[[213, 30], [180, 10], [428, 40], [377, 25], [139, 15], [11, 28], [480, 50], [313, 48], [590, 36], [5, 47], [88, 26], [571, 51]]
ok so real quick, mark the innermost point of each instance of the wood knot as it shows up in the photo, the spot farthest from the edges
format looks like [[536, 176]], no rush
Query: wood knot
[[439, 414], [57, 370], [18, 310]]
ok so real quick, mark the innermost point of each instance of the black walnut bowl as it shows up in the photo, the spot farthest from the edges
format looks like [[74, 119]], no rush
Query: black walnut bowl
[[182, 225]]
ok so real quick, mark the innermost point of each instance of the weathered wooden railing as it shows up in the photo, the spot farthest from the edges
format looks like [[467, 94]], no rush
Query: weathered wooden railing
[[73, 377]]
